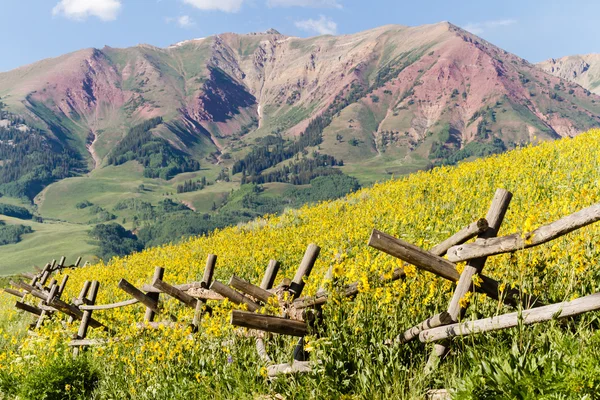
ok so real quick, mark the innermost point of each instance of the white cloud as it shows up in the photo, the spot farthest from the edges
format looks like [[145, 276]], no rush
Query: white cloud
[[80, 10], [478, 28], [321, 26], [220, 5], [185, 21], [305, 3]]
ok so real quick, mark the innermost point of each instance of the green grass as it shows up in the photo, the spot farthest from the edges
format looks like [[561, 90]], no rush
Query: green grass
[[107, 186], [48, 241]]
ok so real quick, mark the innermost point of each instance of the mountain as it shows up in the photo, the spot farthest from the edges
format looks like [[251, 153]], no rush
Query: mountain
[[583, 70], [419, 94]]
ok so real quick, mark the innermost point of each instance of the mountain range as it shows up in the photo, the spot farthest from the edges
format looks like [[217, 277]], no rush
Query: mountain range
[[100, 126], [583, 70], [404, 90]]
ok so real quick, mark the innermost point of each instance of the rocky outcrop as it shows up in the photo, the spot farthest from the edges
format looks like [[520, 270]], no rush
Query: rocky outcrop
[[583, 70]]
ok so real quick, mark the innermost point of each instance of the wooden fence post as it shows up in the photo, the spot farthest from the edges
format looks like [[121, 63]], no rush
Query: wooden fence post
[[87, 316], [303, 272], [50, 296], [266, 284], [82, 295], [209, 271], [494, 217], [270, 274], [159, 273]]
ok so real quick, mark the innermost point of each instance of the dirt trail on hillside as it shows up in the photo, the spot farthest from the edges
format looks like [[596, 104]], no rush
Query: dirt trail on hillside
[[92, 151]]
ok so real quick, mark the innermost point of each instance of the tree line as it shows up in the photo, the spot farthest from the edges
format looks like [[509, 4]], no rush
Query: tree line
[[159, 158]]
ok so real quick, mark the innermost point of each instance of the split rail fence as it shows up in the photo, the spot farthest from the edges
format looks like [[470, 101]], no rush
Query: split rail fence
[[297, 315]]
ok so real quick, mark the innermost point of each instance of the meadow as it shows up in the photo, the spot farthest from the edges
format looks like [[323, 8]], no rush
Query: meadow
[[558, 360]]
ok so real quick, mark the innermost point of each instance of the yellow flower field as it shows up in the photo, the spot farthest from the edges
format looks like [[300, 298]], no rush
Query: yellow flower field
[[549, 181]]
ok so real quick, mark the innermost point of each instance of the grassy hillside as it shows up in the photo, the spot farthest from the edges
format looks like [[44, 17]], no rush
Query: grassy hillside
[[70, 240], [553, 360]]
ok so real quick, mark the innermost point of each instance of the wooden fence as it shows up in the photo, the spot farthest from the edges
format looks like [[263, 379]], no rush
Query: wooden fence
[[297, 314]]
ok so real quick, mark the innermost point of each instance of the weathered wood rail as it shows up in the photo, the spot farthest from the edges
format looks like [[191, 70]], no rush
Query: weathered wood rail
[[526, 317], [445, 325]]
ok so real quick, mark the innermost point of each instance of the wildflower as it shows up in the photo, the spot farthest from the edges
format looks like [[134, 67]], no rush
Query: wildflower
[[465, 300]]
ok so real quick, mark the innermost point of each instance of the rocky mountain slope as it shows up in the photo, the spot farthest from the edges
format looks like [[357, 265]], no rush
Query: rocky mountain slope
[[583, 70], [393, 95]]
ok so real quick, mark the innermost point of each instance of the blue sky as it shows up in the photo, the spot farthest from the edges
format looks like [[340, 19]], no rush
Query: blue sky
[[536, 30]]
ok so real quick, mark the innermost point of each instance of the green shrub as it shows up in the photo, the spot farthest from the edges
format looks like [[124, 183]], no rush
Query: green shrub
[[83, 204], [64, 378], [12, 233], [8, 384], [15, 211]]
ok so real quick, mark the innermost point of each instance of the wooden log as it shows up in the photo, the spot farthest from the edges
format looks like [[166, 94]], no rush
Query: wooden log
[[30, 289], [30, 309], [209, 271], [270, 274], [148, 288], [82, 295], [437, 320], [413, 255], [42, 288], [234, 296], [145, 299], [304, 270], [261, 350], [469, 232], [159, 273], [299, 354], [249, 289], [45, 307], [204, 294], [440, 266], [75, 312], [23, 286], [267, 283], [546, 233], [49, 296], [268, 323], [63, 284], [44, 274], [14, 292], [531, 316], [175, 293], [108, 306], [87, 315], [77, 262], [61, 263], [88, 342], [27, 275], [296, 367], [495, 216]]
